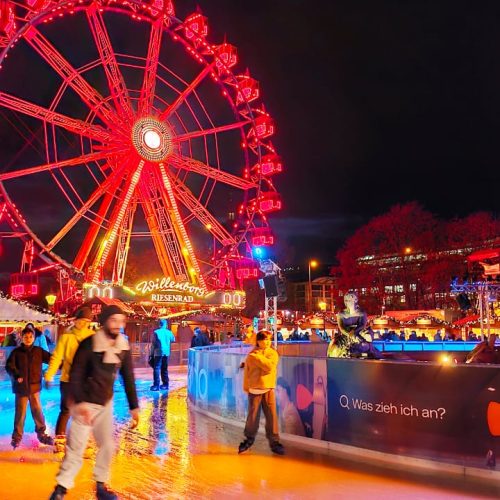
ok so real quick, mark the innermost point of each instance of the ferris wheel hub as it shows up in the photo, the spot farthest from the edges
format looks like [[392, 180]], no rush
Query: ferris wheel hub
[[152, 139]]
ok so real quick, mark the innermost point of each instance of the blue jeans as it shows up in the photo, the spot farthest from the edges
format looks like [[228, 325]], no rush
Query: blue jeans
[[160, 367]]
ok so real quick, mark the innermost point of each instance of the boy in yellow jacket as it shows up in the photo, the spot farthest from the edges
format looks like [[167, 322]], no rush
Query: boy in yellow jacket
[[64, 353], [259, 381]]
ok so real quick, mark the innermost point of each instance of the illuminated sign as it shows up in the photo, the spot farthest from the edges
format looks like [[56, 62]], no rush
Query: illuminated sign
[[167, 293], [102, 291], [166, 284]]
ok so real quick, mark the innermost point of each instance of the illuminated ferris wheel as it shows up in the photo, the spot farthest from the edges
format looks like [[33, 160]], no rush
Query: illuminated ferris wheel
[[121, 123]]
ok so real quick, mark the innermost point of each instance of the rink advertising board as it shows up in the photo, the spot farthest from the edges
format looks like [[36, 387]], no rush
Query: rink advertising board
[[421, 409], [424, 410]]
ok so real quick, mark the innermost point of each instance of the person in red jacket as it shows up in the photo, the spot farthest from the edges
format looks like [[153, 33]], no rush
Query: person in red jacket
[[24, 366]]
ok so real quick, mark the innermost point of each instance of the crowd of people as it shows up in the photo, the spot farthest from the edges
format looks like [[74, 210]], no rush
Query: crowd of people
[[90, 361]]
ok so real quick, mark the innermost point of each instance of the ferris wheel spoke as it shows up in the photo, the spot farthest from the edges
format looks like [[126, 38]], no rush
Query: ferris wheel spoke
[[93, 231], [116, 83], [98, 192], [52, 166], [159, 220], [185, 93], [192, 165], [172, 203], [116, 220], [149, 81], [184, 195], [210, 131], [71, 124], [70, 75]]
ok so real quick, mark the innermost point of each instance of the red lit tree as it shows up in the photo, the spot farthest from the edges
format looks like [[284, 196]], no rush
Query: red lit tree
[[409, 255]]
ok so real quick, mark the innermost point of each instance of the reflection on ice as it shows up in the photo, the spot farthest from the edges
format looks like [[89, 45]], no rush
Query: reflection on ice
[[179, 454]]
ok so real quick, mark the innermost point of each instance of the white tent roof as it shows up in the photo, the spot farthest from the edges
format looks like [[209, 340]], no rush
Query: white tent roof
[[11, 310]]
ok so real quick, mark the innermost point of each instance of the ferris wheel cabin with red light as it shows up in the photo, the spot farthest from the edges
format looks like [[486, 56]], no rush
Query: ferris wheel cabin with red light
[[164, 136]]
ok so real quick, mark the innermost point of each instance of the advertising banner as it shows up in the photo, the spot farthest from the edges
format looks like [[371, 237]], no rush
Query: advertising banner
[[417, 409], [449, 413]]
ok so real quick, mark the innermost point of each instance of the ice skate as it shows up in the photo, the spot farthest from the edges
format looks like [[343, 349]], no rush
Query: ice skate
[[104, 493], [277, 448], [58, 493], [60, 444], [245, 445], [45, 439]]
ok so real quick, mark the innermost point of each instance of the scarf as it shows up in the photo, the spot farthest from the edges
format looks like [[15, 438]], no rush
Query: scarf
[[102, 343]]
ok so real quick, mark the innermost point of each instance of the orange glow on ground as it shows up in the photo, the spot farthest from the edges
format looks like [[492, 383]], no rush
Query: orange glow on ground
[[200, 461]]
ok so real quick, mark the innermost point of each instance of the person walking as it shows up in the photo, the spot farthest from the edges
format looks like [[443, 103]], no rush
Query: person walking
[[162, 340], [97, 361], [63, 354], [24, 366], [259, 381]]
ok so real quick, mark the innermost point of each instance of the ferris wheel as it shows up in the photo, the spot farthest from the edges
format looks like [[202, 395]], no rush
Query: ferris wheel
[[120, 123]]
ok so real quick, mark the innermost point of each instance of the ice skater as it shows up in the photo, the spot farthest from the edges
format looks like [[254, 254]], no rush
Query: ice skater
[[162, 339], [259, 381], [64, 353], [96, 364], [24, 366]]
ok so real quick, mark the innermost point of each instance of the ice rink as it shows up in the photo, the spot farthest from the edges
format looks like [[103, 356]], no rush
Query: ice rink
[[178, 453]]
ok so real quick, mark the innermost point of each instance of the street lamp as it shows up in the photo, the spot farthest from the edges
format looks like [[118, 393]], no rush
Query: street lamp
[[51, 300], [312, 264]]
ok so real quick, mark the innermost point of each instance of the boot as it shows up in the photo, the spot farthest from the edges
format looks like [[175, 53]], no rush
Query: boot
[[45, 439], [164, 387], [245, 445], [104, 493], [154, 388], [60, 444], [58, 493], [16, 441], [277, 448]]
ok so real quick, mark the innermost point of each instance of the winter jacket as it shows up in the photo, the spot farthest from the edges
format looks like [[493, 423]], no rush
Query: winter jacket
[[162, 339], [200, 340], [65, 352], [41, 341], [260, 369], [91, 380], [26, 363]]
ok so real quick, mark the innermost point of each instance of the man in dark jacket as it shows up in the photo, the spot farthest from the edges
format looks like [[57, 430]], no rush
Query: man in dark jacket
[[95, 366], [25, 368], [199, 339]]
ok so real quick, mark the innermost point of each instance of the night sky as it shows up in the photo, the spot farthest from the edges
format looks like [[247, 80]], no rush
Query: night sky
[[377, 103]]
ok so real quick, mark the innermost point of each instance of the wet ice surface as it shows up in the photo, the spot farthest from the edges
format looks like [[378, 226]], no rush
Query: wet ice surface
[[176, 454]]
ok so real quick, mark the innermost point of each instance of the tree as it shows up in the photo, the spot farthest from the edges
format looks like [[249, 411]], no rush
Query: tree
[[382, 253], [409, 252]]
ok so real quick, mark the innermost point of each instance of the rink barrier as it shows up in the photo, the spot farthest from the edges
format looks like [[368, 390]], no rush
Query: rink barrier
[[441, 418]]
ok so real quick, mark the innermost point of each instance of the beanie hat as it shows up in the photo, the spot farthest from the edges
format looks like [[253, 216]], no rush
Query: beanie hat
[[107, 312], [84, 313]]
